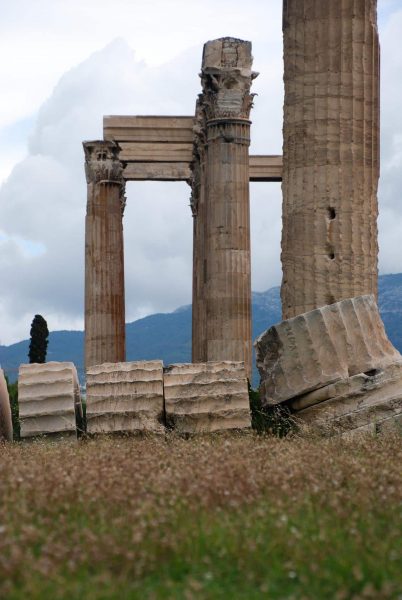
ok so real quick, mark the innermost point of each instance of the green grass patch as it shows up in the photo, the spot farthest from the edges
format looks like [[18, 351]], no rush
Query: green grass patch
[[238, 517]]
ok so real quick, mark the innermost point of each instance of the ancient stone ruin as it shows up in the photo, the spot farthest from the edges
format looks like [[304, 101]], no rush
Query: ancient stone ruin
[[125, 397], [6, 426], [331, 348], [206, 397], [329, 361], [49, 399], [330, 153], [334, 367], [210, 152]]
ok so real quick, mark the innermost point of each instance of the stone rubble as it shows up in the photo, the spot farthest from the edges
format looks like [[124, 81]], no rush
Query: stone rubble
[[333, 367]]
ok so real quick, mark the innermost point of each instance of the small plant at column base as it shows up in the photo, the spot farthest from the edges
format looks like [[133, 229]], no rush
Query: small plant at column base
[[275, 420], [39, 340]]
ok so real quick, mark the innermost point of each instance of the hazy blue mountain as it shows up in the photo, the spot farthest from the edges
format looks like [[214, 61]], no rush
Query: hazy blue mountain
[[168, 335]]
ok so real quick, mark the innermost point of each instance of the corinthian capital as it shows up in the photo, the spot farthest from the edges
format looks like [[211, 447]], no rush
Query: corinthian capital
[[226, 77], [102, 162]]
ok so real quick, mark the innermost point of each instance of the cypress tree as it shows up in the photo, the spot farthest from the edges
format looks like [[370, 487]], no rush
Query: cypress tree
[[39, 340]]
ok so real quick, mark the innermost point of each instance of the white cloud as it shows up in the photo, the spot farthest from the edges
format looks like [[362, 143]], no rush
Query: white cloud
[[42, 203]]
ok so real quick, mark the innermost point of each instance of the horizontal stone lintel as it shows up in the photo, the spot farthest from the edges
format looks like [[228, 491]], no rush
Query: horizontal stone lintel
[[157, 148], [262, 168]]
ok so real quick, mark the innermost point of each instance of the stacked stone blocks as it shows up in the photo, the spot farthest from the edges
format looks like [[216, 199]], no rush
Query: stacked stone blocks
[[49, 399], [206, 397], [125, 397]]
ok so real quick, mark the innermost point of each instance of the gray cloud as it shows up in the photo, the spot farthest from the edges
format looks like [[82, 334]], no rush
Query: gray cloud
[[42, 204]]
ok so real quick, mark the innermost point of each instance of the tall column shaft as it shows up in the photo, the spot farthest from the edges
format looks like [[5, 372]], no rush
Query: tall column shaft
[[222, 285], [198, 191], [228, 268], [330, 153], [104, 255]]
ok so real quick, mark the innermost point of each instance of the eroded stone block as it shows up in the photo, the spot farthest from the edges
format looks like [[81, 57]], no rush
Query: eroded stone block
[[49, 399], [323, 346], [206, 397], [6, 426], [361, 403], [125, 397]]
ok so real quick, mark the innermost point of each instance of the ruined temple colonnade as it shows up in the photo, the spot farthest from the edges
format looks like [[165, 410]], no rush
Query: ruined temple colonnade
[[210, 152], [330, 176]]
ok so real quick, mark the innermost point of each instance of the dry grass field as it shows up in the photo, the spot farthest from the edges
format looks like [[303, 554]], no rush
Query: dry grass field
[[241, 516]]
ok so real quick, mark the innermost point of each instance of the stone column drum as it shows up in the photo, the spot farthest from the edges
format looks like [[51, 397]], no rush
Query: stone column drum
[[6, 425], [330, 152], [104, 259], [226, 101]]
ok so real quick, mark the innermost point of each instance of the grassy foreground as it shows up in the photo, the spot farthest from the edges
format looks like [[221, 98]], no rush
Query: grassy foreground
[[213, 517]]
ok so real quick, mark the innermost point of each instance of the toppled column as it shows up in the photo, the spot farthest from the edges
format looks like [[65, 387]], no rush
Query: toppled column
[[330, 153], [206, 397], [223, 265], [49, 399], [6, 425], [104, 258], [322, 346], [333, 365], [125, 397]]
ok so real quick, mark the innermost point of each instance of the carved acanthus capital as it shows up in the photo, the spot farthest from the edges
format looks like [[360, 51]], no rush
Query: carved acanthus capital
[[226, 77], [102, 162]]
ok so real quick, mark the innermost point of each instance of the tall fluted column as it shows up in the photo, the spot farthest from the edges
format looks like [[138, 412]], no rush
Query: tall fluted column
[[226, 101], [104, 258], [330, 153], [198, 184]]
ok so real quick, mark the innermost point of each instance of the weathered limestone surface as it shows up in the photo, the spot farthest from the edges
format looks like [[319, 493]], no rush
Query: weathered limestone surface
[[361, 403], [200, 217], [320, 347], [162, 149], [220, 204], [206, 397], [49, 399], [104, 259], [125, 397], [330, 152], [6, 426]]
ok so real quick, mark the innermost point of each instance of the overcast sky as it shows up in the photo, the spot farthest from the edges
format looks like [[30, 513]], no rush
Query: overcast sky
[[67, 63]]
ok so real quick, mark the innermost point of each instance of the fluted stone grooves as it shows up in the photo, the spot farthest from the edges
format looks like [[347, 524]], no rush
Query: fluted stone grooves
[[320, 347], [6, 426], [49, 399], [330, 152], [206, 397], [104, 258], [198, 191], [222, 289], [125, 397], [362, 403]]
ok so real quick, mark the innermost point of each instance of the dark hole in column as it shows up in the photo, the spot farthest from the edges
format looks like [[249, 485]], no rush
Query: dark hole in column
[[331, 213], [331, 255]]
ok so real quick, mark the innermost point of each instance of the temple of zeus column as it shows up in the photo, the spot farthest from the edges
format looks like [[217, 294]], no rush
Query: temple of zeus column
[[104, 260], [330, 152], [220, 202]]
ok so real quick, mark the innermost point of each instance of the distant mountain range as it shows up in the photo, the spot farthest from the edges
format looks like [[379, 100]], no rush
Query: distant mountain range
[[168, 335]]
